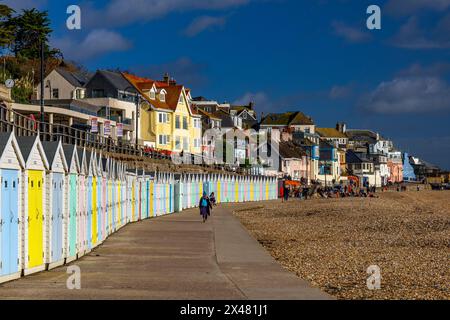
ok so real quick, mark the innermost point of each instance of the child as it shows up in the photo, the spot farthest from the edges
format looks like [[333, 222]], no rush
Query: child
[[212, 199]]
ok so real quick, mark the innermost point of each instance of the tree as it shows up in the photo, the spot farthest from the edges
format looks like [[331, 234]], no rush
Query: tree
[[6, 27], [32, 27]]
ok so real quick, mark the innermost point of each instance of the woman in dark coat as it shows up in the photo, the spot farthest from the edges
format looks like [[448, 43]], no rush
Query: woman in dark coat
[[205, 207]]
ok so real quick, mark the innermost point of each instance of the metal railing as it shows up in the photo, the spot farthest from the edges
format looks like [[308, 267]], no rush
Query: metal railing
[[22, 125]]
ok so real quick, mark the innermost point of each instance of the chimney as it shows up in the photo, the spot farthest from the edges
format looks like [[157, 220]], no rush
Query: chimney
[[172, 82], [341, 127], [251, 105], [166, 78]]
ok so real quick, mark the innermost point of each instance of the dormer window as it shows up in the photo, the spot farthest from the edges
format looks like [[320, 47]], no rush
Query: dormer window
[[152, 94], [162, 96]]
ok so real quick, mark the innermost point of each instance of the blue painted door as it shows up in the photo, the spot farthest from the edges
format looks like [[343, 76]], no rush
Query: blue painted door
[[9, 223], [89, 213], [56, 219]]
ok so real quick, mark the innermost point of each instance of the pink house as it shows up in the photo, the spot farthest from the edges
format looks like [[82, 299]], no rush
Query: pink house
[[395, 171], [395, 165], [294, 161]]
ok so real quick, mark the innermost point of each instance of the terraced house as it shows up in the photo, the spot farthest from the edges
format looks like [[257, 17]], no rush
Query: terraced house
[[167, 120]]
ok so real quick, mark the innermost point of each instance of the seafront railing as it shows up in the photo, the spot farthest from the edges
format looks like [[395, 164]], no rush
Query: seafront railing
[[22, 125]]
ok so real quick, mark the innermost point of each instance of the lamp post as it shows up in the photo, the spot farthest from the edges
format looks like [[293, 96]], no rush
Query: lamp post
[[42, 85]]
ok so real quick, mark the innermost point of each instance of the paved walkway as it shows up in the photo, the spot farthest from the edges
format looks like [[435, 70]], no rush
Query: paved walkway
[[172, 257]]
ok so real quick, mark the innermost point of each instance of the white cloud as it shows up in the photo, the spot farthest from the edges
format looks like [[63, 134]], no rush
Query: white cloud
[[98, 42], [413, 36], [417, 69], [402, 95], [340, 92], [204, 23], [349, 33]]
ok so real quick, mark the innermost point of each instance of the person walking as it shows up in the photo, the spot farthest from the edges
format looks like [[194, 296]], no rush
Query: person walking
[[286, 192], [212, 199], [205, 207]]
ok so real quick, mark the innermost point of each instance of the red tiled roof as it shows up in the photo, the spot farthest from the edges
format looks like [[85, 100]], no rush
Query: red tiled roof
[[172, 96]]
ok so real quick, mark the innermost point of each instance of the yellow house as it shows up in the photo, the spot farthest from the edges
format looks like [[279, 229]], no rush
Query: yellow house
[[167, 121]]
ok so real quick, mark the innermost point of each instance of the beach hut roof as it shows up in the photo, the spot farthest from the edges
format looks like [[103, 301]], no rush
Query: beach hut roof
[[71, 154], [27, 145], [51, 149], [7, 138]]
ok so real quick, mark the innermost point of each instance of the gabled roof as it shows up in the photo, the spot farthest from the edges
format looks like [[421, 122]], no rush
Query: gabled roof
[[207, 114], [352, 157], [50, 149], [4, 140], [172, 97], [80, 152], [289, 150], [286, 119], [116, 79], [70, 151], [227, 122], [140, 84], [330, 133], [26, 145], [77, 79]]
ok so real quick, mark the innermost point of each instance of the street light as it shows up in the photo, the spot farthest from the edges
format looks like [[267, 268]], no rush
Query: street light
[[42, 85]]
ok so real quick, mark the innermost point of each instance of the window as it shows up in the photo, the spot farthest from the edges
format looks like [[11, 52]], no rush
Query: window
[[79, 94], [55, 94], [162, 96], [152, 94], [164, 139], [185, 123], [98, 93], [177, 122], [177, 143], [181, 100], [307, 130], [197, 123], [185, 143], [163, 117], [196, 143]]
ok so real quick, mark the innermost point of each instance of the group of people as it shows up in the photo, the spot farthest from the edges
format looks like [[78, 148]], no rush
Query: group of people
[[206, 204], [305, 192]]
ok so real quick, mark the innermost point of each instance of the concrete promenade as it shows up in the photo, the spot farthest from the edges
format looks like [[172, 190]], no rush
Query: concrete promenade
[[172, 257]]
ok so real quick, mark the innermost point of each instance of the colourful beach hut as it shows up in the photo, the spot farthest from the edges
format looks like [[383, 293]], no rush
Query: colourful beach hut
[[103, 173], [34, 212], [11, 229], [71, 209], [82, 219], [56, 203]]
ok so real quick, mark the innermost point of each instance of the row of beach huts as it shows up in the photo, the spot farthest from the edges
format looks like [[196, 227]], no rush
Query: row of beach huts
[[58, 202]]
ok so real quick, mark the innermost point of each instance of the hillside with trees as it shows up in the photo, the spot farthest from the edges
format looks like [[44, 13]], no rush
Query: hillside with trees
[[21, 35]]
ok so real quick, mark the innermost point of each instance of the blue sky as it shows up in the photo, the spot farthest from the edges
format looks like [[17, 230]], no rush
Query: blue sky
[[316, 56]]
